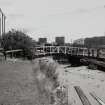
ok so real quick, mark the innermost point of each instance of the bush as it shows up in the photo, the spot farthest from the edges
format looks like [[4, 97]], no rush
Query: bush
[[15, 39], [48, 84], [92, 66]]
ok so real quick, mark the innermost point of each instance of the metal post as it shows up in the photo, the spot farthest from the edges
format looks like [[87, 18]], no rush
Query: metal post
[[88, 52], [83, 52], [0, 27], [58, 50], [65, 49], [3, 17], [98, 53], [2, 23], [50, 50]]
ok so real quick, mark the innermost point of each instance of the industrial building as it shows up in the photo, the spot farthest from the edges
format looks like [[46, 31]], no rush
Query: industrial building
[[79, 41], [60, 40], [42, 41]]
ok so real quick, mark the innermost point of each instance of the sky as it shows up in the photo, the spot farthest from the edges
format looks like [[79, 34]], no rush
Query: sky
[[49, 18]]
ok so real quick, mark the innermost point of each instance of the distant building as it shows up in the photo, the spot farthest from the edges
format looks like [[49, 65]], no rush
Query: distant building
[[79, 41], [95, 42], [42, 41], [68, 44], [60, 40]]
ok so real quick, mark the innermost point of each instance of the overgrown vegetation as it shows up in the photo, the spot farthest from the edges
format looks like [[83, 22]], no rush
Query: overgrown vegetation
[[15, 39], [47, 80], [22, 85]]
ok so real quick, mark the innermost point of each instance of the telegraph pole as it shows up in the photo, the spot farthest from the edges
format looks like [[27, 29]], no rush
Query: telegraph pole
[[2, 29], [2, 23]]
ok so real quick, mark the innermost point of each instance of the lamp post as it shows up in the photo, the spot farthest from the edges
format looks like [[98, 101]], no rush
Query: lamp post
[[2, 28], [2, 23]]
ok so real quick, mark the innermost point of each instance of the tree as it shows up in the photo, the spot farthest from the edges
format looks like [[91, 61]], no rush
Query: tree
[[15, 39]]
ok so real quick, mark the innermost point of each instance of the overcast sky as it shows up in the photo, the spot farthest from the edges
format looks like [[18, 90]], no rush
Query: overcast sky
[[49, 18]]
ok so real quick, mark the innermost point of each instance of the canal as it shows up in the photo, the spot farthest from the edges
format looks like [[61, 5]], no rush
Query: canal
[[89, 80]]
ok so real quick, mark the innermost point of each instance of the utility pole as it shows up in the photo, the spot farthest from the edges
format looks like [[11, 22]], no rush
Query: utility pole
[[2, 29], [2, 23]]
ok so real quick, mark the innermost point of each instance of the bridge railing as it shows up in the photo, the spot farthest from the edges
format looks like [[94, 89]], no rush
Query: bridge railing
[[78, 51], [67, 50], [62, 49]]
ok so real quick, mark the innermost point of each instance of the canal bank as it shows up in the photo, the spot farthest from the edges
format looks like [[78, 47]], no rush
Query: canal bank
[[75, 61], [87, 79]]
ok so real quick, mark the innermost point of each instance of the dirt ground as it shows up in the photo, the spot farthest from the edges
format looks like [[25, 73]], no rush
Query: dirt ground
[[88, 80], [17, 84]]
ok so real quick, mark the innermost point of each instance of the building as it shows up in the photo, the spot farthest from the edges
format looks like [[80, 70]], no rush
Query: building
[[79, 41], [60, 40], [2, 22], [95, 42], [42, 41]]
